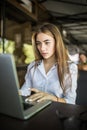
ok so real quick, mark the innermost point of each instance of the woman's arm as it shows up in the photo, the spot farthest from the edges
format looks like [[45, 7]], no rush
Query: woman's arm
[[25, 88], [71, 84], [40, 96]]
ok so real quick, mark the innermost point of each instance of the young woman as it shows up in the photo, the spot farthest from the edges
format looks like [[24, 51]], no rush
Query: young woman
[[82, 62], [51, 76]]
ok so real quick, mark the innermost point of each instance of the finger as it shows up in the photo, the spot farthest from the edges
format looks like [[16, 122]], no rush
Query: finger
[[34, 97], [34, 90], [45, 97], [41, 99]]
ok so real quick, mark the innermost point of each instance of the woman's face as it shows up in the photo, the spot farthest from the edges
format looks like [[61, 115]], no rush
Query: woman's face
[[46, 45], [83, 58]]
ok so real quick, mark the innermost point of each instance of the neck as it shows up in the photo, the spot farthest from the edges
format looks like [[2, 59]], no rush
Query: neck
[[50, 60]]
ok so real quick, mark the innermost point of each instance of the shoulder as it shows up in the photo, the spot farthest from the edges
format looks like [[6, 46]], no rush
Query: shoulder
[[33, 64], [82, 67]]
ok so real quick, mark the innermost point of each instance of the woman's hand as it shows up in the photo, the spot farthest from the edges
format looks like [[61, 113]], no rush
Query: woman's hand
[[41, 96]]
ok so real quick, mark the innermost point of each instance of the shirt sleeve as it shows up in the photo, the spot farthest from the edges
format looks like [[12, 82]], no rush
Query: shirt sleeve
[[25, 91], [71, 82]]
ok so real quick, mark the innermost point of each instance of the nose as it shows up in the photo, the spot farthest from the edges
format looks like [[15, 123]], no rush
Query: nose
[[42, 47]]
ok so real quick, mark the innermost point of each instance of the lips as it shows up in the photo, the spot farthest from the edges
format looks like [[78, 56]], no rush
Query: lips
[[44, 53]]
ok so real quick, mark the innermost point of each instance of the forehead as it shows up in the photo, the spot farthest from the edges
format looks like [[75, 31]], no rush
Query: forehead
[[43, 36], [82, 55]]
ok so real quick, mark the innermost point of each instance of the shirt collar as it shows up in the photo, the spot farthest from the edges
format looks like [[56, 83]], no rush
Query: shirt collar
[[40, 66]]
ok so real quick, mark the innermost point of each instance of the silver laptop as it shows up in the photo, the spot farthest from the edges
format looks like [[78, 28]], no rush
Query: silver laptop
[[11, 103]]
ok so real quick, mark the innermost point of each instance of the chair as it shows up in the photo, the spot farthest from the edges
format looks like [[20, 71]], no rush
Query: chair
[[82, 88]]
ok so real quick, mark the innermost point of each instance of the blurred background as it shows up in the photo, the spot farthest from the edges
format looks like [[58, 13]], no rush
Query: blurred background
[[19, 18]]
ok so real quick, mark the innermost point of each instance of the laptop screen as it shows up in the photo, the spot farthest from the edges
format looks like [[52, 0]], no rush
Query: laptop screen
[[12, 103]]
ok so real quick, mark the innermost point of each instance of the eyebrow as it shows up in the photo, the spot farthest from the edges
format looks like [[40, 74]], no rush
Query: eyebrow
[[44, 40]]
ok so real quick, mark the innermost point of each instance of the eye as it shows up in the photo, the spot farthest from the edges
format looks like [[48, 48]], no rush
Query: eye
[[38, 43], [47, 42]]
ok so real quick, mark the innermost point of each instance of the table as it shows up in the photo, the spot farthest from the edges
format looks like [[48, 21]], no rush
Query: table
[[49, 119]]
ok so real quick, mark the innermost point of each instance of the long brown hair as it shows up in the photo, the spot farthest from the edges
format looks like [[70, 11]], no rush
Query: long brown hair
[[60, 53]]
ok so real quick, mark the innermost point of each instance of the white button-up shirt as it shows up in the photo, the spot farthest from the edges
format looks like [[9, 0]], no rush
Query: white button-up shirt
[[37, 78]]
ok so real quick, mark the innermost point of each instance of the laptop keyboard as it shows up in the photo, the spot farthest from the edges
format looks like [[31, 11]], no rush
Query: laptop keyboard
[[27, 105]]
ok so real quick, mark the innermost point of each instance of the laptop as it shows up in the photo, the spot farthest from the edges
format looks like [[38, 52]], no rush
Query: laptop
[[11, 103]]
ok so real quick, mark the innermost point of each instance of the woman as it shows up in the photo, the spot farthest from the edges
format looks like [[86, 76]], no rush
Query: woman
[[82, 62], [51, 76]]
